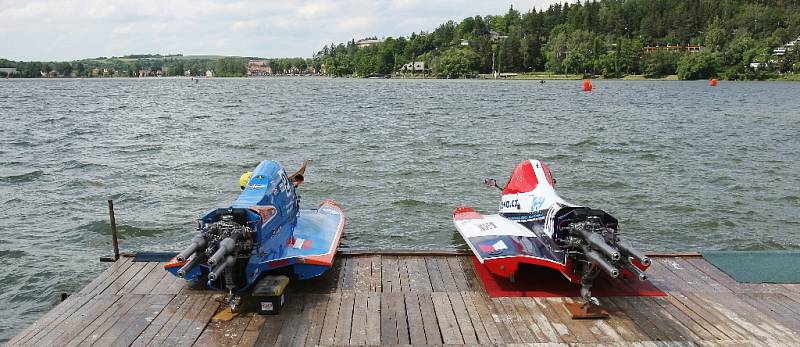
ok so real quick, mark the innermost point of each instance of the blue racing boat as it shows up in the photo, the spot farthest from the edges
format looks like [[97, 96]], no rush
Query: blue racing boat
[[263, 231]]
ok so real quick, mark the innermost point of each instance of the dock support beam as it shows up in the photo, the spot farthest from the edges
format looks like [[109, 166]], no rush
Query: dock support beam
[[114, 242]]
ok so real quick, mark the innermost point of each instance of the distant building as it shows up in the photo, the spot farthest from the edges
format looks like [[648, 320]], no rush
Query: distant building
[[209, 73], [258, 68], [673, 48], [496, 36], [363, 43], [8, 70], [414, 67]]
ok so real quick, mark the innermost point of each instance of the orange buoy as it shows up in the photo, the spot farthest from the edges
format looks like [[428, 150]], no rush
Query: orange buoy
[[713, 82], [587, 86]]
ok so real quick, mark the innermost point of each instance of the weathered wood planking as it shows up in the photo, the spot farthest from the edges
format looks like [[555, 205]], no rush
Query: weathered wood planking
[[419, 299]]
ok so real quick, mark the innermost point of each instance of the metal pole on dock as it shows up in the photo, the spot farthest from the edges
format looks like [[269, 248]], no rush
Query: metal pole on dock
[[113, 229]]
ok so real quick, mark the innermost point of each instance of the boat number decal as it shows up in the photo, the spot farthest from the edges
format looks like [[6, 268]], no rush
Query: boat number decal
[[486, 226], [537, 203], [510, 204]]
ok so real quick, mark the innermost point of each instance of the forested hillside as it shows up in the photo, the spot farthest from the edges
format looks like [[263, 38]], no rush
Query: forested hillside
[[612, 38]]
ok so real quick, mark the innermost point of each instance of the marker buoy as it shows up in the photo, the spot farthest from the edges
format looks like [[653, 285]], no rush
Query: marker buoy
[[587, 86], [713, 82]]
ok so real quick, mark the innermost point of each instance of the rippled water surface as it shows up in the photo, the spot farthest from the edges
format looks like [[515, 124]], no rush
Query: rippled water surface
[[683, 166]]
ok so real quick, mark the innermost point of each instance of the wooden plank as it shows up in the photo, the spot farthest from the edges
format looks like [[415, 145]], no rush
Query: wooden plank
[[390, 274], [688, 319], [398, 308], [200, 321], [416, 329], [389, 334], [715, 321], [375, 262], [580, 329], [462, 318], [528, 320], [178, 315], [430, 322], [270, 332], [707, 283], [446, 319], [476, 319], [622, 323], [474, 283], [771, 304], [345, 321], [122, 280], [419, 280], [403, 270], [137, 279], [363, 273], [358, 330], [96, 329], [687, 275], [649, 330], [161, 319], [331, 318], [292, 318], [481, 305], [559, 326], [176, 335], [394, 329], [458, 274], [515, 321], [696, 318], [734, 309], [251, 332], [374, 318], [107, 277], [503, 321], [447, 275], [130, 325], [151, 280], [55, 317], [665, 279], [437, 284], [673, 328], [168, 284], [315, 327], [73, 323]]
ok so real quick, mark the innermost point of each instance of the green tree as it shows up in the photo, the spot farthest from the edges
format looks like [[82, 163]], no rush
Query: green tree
[[699, 65], [456, 62], [80, 70]]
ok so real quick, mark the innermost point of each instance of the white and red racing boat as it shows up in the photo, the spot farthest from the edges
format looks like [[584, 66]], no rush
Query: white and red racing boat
[[536, 226]]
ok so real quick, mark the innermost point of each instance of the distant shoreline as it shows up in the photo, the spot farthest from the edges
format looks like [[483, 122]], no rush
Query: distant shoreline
[[480, 77]]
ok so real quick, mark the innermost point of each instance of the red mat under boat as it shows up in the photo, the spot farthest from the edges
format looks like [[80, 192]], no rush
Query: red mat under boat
[[541, 282]]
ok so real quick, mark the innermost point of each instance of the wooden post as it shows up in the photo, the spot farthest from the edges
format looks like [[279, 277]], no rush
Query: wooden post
[[113, 229]]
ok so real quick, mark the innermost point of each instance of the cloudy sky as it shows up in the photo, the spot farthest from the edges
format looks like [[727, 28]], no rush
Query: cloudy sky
[[75, 29]]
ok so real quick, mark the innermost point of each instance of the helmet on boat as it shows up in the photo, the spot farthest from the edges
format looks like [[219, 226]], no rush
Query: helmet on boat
[[244, 179]]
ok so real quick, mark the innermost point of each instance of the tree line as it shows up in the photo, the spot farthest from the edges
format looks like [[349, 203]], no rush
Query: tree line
[[151, 65], [735, 39]]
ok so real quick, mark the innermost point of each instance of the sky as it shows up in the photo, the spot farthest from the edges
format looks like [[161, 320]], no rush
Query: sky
[[53, 30]]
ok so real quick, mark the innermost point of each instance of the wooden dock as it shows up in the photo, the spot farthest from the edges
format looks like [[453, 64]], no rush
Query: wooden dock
[[419, 299]]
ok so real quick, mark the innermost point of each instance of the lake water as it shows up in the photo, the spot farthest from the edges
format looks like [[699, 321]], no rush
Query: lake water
[[682, 165]]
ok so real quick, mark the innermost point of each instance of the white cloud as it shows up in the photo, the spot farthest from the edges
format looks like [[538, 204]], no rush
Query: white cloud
[[74, 29]]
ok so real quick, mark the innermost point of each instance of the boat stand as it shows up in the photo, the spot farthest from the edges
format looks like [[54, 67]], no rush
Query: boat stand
[[586, 310]]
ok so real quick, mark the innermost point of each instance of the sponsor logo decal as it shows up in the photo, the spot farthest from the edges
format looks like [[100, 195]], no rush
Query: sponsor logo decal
[[494, 247]]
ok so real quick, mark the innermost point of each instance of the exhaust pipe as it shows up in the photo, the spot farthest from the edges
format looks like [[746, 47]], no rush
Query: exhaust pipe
[[217, 271]]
